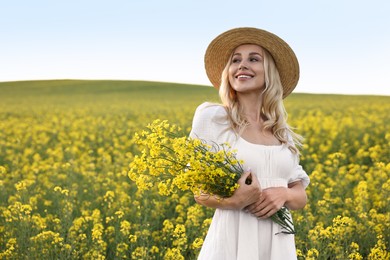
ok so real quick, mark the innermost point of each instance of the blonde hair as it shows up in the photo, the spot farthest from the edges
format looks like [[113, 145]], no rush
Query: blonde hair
[[272, 109]]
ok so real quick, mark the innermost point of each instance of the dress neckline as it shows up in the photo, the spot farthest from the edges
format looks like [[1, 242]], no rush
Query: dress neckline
[[261, 145]]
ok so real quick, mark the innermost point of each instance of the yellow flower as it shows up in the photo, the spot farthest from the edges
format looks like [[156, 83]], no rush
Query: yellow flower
[[198, 242], [139, 253], [119, 214], [20, 186], [125, 227], [173, 254], [97, 231], [312, 254], [121, 248], [379, 251], [133, 238], [154, 250], [3, 170]]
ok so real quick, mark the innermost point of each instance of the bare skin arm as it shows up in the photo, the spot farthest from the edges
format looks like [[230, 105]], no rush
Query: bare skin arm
[[245, 195], [272, 199]]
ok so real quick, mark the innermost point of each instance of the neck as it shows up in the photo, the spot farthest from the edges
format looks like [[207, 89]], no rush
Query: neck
[[250, 105]]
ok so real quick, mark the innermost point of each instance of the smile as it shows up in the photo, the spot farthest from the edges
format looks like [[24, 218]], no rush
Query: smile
[[244, 77]]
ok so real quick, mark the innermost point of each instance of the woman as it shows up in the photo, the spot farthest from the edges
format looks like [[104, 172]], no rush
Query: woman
[[253, 70]]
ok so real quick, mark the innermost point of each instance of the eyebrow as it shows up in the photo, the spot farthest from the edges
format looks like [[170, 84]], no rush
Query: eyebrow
[[251, 53]]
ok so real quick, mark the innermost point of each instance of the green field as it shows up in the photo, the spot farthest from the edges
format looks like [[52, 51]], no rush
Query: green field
[[66, 145]]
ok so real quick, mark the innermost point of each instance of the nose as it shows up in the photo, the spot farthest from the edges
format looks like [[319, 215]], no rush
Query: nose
[[242, 66]]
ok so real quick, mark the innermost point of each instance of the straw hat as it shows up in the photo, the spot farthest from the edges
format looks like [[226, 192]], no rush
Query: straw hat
[[220, 49]]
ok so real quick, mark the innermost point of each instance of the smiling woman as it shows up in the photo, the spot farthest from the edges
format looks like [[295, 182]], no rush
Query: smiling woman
[[253, 70]]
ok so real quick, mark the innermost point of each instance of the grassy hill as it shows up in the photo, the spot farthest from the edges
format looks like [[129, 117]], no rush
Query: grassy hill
[[133, 89], [95, 91]]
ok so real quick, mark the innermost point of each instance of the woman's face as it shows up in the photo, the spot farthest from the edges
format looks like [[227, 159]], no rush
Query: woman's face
[[246, 70]]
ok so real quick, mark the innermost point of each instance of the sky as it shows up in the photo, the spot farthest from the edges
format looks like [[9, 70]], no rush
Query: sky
[[343, 46]]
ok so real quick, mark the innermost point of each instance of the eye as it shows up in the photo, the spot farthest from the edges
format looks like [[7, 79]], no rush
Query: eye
[[236, 60], [256, 58]]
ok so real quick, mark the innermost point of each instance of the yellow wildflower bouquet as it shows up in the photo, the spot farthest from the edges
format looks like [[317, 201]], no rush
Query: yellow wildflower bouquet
[[172, 162], [175, 163]]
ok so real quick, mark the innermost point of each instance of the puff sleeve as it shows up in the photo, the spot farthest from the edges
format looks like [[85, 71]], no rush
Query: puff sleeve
[[210, 123], [298, 173]]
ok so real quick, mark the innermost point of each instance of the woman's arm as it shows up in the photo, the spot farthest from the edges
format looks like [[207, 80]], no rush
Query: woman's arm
[[296, 197], [242, 197], [274, 198]]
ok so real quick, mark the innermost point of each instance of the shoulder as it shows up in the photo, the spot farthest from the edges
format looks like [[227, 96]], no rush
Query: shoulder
[[209, 121], [208, 110]]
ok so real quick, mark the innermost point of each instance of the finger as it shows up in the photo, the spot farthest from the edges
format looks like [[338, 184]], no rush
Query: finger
[[255, 181], [243, 177], [258, 199], [261, 209], [252, 207], [267, 214], [248, 179], [257, 209], [263, 214], [257, 212], [248, 209]]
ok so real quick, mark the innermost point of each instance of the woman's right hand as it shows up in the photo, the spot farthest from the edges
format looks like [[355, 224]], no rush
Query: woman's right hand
[[247, 193]]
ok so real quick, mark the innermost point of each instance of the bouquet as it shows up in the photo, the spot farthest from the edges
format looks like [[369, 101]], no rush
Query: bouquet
[[173, 162]]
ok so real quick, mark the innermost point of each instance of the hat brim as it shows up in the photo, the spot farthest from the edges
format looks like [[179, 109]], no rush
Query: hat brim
[[220, 49]]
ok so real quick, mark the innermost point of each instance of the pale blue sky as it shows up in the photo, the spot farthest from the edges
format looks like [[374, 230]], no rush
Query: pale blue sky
[[343, 46]]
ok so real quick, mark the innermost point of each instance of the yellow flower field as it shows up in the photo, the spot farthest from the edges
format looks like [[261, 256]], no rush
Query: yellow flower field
[[66, 146]]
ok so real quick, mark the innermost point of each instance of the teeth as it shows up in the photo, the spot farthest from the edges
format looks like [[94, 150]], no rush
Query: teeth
[[244, 76]]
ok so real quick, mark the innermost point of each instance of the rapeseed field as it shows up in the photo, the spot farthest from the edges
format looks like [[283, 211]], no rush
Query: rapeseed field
[[66, 146]]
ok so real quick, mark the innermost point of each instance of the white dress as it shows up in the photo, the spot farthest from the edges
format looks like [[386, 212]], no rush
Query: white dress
[[235, 234]]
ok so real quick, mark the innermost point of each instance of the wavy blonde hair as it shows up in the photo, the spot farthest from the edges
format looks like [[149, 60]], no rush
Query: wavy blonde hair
[[272, 109]]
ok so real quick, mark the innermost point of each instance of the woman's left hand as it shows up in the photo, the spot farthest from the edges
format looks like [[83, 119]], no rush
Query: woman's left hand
[[269, 202]]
